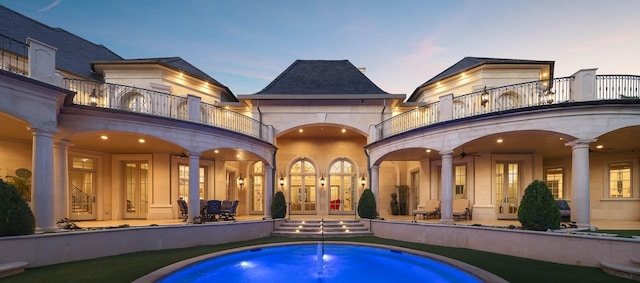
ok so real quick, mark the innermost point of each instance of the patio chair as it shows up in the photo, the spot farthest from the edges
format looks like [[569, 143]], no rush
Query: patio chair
[[214, 207], [461, 208], [228, 210], [335, 204], [184, 209], [432, 207], [565, 210]]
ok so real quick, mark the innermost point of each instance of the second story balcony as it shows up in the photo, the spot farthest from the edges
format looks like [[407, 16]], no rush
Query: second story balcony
[[582, 86], [155, 103]]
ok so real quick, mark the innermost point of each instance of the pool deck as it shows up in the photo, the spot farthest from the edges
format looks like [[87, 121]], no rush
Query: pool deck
[[600, 224]]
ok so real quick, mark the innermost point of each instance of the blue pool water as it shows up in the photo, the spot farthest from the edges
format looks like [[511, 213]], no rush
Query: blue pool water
[[298, 263]]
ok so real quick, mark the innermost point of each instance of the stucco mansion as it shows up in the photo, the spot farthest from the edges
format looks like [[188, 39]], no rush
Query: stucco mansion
[[108, 138]]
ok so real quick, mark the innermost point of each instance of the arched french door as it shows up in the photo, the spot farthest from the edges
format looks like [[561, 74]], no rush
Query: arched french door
[[302, 187], [257, 188], [342, 187]]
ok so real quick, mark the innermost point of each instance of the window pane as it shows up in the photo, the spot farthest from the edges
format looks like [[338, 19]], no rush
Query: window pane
[[554, 179], [620, 180]]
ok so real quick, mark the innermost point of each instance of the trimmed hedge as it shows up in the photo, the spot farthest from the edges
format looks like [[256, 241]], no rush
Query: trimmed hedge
[[16, 217], [367, 205], [278, 206], [538, 210]]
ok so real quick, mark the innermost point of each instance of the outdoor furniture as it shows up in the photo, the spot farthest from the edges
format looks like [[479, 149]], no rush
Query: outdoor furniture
[[214, 207], [461, 208], [565, 210], [228, 209], [184, 209], [432, 207], [335, 204]]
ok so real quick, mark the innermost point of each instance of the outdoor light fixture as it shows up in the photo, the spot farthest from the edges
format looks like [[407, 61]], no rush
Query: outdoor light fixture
[[363, 181], [322, 181], [241, 181], [549, 96], [93, 98], [484, 97], [281, 181]]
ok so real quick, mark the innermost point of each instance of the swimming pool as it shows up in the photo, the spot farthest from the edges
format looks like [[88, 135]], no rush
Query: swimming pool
[[341, 263]]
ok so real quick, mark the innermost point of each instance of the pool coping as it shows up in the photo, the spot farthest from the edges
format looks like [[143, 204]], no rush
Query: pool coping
[[479, 273]]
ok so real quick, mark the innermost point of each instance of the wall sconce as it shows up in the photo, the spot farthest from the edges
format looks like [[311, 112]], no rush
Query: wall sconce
[[241, 181], [549, 96], [484, 97], [363, 181], [93, 98], [322, 181], [281, 181]]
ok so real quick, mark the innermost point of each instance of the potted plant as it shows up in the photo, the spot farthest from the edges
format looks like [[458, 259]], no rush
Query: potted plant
[[367, 205], [395, 206]]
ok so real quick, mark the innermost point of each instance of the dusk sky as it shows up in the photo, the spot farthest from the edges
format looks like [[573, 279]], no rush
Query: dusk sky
[[246, 44]]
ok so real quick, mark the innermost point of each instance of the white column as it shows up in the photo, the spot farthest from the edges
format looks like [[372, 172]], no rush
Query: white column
[[61, 176], [42, 192], [268, 191], [374, 183], [194, 185], [580, 199], [446, 203]]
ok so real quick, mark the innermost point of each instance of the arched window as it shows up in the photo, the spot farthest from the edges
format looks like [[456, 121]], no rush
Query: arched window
[[508, 100], [133, 101], [342, 186], [302, 186]]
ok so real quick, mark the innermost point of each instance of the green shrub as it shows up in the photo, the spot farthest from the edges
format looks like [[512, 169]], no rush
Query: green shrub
[[538, 210], [278, 206], [16, 217], [367, 205]]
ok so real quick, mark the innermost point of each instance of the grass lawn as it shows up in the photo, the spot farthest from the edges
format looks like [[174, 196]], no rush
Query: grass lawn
[[128, 267], [621, 233]]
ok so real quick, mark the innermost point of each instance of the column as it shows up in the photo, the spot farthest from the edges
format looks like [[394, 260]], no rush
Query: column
[[446, 203], [61, 176], [42, 192], [580, 190], [374, 184], [268, 191], [194, 186]]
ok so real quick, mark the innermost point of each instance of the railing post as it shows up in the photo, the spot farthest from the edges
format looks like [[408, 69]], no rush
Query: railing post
[[194, 113], [42, 63], [583, 86], [446, 107]]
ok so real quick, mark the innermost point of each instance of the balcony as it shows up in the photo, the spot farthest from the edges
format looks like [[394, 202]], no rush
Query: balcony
[[13, 56], [523, 96], [155, 103]]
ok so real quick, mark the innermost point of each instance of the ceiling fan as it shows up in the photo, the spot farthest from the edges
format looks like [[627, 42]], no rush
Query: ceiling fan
[[464, 154]]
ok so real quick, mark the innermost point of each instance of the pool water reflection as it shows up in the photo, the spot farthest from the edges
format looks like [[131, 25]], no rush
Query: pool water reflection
[[341, 263]]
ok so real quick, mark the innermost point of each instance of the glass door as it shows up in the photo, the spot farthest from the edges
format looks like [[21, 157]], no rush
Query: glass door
[[257, 188], [302, 187], [342, 187], [136, 180], [507, 190], [82, 176]]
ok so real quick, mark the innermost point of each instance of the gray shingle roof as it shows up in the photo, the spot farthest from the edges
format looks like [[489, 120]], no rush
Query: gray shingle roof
[[322, 77], [74, 53], [468, 63]]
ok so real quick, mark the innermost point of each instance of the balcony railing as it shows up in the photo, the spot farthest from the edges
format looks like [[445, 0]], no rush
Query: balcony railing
[[517, 96], [134, 99], [223, 118], [617, 87], [13, 56]]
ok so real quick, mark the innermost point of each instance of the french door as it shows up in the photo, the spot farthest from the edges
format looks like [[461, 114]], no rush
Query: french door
[[82, 186], [507, 180], [136, 182]]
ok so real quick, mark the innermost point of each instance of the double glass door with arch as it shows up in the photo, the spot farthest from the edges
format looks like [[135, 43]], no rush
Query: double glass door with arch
[[302, 186]]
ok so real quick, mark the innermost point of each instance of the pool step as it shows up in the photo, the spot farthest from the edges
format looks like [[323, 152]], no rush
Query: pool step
[[319, 229]]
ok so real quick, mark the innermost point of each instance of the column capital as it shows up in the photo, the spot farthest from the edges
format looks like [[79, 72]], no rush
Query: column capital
[[42, 130], [446, 152], [62, 143], [194, 154], [580, 142]]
